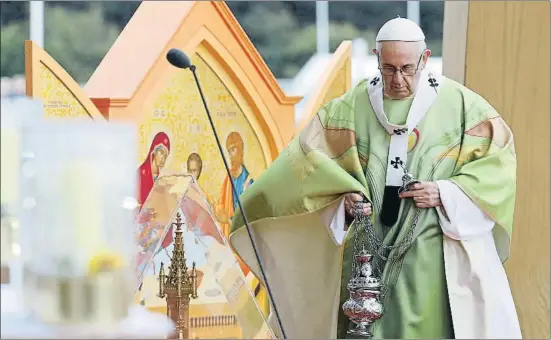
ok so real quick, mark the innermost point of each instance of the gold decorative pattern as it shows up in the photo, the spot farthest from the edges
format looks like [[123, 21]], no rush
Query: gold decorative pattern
[[332, 83], [178, 286], [331, 141], [339, 86], [58, 100], [179, 113]]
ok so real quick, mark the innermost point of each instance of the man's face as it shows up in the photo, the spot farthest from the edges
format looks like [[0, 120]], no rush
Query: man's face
[[159, 157], [401, 55], [194, 169], [234, 153]]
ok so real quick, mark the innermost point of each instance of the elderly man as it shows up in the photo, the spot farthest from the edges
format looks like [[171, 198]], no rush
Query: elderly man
[[438, 240]]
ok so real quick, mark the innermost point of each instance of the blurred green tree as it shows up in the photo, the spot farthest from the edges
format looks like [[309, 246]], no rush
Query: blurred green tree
[[13, 11], [78, 40], [119, 12], [70, 5], [366, 15], [280, 39], [79, 34], [432, 19], [303, 44], [265, 24], [12, 53]]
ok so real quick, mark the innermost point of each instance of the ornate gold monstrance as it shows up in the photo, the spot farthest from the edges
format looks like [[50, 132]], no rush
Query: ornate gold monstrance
[[178, 286]]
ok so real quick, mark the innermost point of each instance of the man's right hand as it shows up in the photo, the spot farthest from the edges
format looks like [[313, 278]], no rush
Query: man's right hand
[[350, 205]]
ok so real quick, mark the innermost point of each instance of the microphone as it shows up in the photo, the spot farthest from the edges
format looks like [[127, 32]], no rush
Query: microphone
[[180, 60]]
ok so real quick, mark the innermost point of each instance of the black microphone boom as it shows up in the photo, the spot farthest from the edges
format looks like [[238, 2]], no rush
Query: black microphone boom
[[180, 60]]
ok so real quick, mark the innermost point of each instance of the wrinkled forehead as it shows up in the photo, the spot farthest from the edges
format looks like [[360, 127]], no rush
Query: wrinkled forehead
[[399, 53]]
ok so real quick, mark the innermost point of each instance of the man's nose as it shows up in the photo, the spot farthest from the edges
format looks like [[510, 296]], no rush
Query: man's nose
[[398, 77]]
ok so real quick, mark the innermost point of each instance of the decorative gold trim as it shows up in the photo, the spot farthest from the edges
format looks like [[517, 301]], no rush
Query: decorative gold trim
[[34, 56], [341, 60]]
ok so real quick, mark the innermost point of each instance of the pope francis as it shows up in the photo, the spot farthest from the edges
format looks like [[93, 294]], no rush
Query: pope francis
[[438, 247]]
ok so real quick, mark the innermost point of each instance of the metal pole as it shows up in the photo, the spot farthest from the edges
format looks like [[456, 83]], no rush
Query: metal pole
[[322, 27], [36, 21], [413, 11]]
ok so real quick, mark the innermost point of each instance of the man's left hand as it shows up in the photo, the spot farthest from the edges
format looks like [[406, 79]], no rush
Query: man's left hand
[[424, 194]]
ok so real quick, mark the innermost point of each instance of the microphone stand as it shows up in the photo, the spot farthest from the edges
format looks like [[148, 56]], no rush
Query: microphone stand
[[247, 226]]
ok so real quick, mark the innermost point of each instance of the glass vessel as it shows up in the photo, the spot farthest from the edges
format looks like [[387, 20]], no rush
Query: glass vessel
[[78, 189]]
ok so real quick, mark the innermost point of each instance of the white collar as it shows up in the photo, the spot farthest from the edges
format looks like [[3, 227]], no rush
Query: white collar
[[427, 92]]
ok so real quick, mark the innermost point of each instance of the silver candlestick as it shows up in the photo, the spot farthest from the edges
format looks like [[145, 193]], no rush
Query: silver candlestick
[[363, 306]]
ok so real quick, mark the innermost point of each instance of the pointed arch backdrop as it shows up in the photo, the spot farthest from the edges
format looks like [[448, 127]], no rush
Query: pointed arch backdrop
[[134, 82], [333, 83], [47, 81]]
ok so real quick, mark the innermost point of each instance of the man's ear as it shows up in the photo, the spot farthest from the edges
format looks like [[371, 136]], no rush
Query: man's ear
[[426, 54], [374, 51]]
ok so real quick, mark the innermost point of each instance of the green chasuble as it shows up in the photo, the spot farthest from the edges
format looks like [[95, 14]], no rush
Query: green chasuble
[[345, 149]]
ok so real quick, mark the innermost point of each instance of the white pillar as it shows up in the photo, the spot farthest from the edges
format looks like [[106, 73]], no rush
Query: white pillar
[[413, 11], [36, 21], [322, 26]]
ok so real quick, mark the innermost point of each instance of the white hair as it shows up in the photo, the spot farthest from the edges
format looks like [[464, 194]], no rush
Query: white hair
[[421, 46]]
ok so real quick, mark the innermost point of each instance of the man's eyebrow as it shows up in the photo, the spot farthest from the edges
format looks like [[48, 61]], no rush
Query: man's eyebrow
[[405, 65]]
